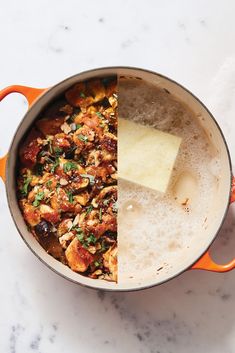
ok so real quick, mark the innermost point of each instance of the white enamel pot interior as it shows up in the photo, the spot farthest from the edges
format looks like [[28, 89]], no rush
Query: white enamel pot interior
[[206, 232]]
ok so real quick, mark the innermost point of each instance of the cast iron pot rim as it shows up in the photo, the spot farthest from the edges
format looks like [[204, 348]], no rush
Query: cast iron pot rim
[[96, 70]]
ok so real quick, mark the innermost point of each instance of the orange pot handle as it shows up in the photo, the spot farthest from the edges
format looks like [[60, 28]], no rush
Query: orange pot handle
[[206, 262], [31, 94]]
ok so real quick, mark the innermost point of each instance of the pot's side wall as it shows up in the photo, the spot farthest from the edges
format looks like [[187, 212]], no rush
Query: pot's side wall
[[205, 236]]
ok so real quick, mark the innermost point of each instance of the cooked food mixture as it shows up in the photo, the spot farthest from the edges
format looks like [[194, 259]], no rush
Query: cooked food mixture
[[67, 179]]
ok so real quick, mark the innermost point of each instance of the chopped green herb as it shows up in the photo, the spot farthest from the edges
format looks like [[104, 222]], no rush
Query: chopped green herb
[[91, 239], [89, 209], [100, 215], [55, 165], [99, 114], [82, 138], [58, 151], [78, 229], [27, 181], [39, 197], [69, 166], [42, 153], [49, 183], [70, 196], [90, 177], [80, 237], [78, 126], [96, 263], [80, 234], [82, 95]]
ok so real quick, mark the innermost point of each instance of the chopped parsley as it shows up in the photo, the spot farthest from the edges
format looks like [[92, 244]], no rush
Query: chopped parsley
[[49, 183], [91, 239], [27, 181], [80, 234], [89, 209], [69, 166], [39, 197], [55, 165], [85, 241], [70, 196], [99, 114], [82, 95], [78, 126], [96, 263], [83, 138], [58, 151], [90, 177], [43, 153]]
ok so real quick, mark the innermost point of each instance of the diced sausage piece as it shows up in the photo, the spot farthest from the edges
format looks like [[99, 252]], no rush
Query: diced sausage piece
[[62, 141], [50, 126], [60, 201], [94, 157], [82, 198], [109, 190], [77, 96], [31, 214], [83, 135], [49, 214], [30, 149], [101, 171], [29, 154], [78, 182], [109, 142], [77, 208], [92, 121], [78, 258], [109, 223], [96, 89]]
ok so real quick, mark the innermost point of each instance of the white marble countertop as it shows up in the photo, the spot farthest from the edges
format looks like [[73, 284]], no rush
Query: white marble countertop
[[42, 43]]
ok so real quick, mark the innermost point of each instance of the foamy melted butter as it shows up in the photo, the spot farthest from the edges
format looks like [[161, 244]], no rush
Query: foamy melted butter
[[154, 227]]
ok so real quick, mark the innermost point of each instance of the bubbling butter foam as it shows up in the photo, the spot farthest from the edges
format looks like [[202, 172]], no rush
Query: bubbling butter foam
[[154, 228]]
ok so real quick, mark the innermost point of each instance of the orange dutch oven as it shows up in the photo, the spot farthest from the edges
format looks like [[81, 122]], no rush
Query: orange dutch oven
[[197, 256]]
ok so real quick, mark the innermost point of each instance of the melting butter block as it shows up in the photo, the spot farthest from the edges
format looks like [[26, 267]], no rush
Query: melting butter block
[[146, 156]]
